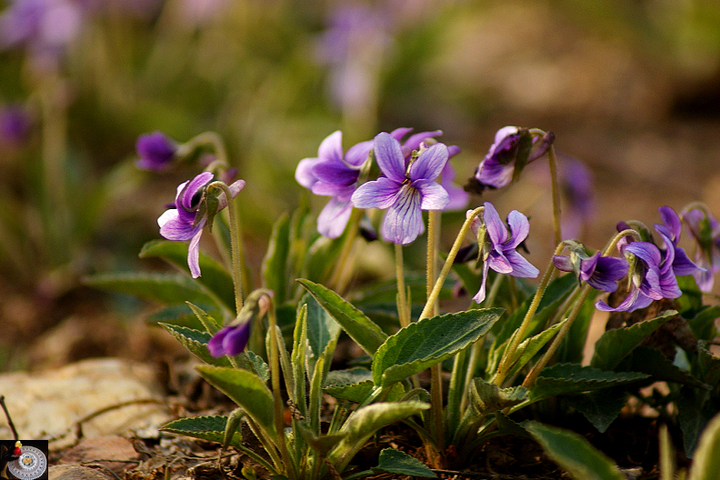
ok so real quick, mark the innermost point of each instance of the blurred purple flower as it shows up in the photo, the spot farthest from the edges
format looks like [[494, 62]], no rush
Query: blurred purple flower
[[44, 27], [499, 247], [513, 147], [601, 273], [333, 174], [706, 231], [406, 188], [156, 150], [576, 183], [186, 219], [14, 125], [230, 340]]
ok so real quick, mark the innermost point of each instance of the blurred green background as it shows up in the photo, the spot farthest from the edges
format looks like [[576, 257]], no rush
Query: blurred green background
[[630, 88]]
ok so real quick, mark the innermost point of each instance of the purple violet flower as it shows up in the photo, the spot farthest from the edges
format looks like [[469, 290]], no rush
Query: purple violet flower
[[186, 219], [459, 198], [15, 125], [333, 174], [499, 247], [406, 188], [230, 340], [513, 147], [651, 275], [706, 231], [156, 150], [601, 273], [671, 228]]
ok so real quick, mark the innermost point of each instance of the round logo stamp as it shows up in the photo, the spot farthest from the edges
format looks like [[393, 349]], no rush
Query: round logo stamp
[[31, 464]]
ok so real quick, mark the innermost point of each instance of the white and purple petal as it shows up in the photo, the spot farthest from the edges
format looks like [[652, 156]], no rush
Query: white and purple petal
[[380, 193], [429, 163], [389, 157], [403, 221]]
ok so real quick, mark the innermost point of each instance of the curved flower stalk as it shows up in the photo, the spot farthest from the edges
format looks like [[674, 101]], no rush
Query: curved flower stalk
[[705, 229], [335, 174], [598, 271], [406, 188], [192, 210], [499, 247]]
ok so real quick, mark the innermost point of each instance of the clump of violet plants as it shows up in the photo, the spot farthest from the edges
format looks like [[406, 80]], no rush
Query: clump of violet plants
[[457, 378]]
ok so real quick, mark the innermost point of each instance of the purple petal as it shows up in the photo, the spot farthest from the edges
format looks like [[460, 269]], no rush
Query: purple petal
[[434, 196], [403, 221], [331, 148], [187, 197], [357, 154], [304, 172], [172, 227], [480, 295], [671, 219], [231, 340], [519, 228], [380, 193], [499, 262], [389, 157], [495, 227], [521, 267], [335, 173], [334, 217], [494, 174], [430, 163], [156, 151], [414, 141], [645, 251], [194, 251], [563, 263]]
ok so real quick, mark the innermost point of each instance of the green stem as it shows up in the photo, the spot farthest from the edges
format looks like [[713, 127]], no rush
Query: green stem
[[506, 361], [237, 255], [530, 378], [432, 298], [277, 399], [552, 161], [436, 389], [339, 279], [205, 139], [402, 306]]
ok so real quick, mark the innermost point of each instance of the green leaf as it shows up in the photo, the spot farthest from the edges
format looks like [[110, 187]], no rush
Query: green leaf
[[573, 453], [360, 328], [567, 378], [486, 397], [210, 428], [179, 314], [429, 341], [654, 363], [274, 266], [693, 415], [196, 342], [400, 463], [703, 324], [247, 390], [365, 421], [572, 346], [215, 278], [355, 384], [706, 462], [159, 287], [209, 323], [555, 293], [600, 407], [530, 346], [321, 327], [616, 344]]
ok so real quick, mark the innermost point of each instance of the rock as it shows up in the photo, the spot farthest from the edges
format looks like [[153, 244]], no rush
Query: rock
[[76, 472], [101, 450], [83, 400]]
